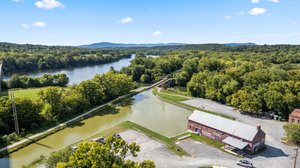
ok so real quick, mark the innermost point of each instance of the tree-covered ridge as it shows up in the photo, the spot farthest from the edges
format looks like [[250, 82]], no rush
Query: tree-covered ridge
[[16, 57]]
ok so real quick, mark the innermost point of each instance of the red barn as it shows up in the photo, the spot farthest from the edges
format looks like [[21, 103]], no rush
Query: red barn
[[237, 135]]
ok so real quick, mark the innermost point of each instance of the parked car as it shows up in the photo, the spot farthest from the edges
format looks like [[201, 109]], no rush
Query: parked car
[[100, 140], [245, 163], [117, 136]]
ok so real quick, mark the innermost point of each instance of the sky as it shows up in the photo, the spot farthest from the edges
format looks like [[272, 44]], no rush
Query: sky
[[78, 22]]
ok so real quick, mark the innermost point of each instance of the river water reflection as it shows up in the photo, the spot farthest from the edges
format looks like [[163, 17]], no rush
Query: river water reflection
[[145, 109], [78, 74]]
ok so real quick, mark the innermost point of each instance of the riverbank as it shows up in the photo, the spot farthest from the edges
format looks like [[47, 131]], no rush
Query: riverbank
[[18, 145], [177, 99]]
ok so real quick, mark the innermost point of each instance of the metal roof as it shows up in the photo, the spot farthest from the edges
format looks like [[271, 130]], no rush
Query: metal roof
[[235, 142], [232, 127]]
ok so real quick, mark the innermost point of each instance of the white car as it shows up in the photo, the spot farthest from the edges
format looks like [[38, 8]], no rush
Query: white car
[[245, 163]]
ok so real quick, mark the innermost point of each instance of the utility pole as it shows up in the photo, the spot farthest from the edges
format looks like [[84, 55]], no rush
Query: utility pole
[[295, 157], [15, 112]]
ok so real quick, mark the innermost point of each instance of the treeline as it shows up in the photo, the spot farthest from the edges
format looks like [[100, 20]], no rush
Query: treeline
[[24, 81], [57, 103], [255, 79], [247, 83], [276, 54], [27, 57]]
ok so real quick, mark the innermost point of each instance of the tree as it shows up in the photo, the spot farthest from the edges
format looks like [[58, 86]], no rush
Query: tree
[[51, 97], [98, 155], [137, 72], [274, 100], [28, 113], [73, 103], [114, 84], [181, 78], [292, 131], [246, 100], [59, 156], [92, 91], [60, 80], [15, 82]]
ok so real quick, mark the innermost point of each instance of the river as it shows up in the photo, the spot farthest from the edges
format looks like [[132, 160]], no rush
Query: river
[[78, 74], [145, 109]]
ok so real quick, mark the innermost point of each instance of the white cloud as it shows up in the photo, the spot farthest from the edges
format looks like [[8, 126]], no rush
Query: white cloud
[[255, 1], [257, 11], [49, 4], [227, 17], [126, 20], [294, 34], [275, 1], [240, 13], [25, 26], [156, 33], [39, 24]]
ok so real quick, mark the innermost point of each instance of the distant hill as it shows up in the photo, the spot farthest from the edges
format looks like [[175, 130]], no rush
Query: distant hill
[[239, 44], [119, 45]]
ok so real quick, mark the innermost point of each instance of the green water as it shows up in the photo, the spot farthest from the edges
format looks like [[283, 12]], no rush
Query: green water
[[145, 110]]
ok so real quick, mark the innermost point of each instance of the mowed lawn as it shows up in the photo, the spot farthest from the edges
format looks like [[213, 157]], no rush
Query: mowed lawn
[[22, 93]]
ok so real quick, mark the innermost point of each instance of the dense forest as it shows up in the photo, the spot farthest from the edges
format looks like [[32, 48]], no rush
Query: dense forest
[[16, 57], [251, 78]]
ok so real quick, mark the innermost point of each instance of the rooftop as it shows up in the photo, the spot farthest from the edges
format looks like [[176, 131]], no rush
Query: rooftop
[[295, 113], [232, 127]]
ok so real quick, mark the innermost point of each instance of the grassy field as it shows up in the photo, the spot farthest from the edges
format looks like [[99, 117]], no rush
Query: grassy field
[[29, 93], [128, 125], [176, 99], [172, 97]]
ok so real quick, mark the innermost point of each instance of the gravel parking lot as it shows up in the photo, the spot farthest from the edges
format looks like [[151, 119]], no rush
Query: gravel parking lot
[[200, 154], [277, 155], [158, 152]]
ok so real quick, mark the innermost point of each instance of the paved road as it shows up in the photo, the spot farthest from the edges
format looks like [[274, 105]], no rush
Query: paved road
[[277, 154]]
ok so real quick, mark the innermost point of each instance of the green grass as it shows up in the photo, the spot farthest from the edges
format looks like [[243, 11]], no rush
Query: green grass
[[207, 141], [171, 97], [176, 100], [177, 90], [154, 91], [128, 125], [26, 93]]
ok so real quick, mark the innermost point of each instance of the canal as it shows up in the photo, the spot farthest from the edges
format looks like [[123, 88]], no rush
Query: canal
[[78, 74], [145, 109]]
